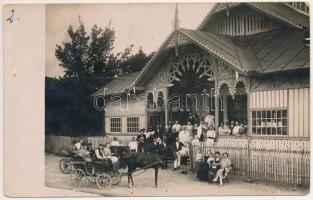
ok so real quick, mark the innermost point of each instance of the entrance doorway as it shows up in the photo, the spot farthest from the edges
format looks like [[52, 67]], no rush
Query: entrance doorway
[[234, 107], [194, 94]]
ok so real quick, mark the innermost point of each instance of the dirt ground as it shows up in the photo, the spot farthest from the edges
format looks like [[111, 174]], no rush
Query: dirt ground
[[171, 183]]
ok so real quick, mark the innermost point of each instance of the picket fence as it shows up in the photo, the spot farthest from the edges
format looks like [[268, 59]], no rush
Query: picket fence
[[274, 160]]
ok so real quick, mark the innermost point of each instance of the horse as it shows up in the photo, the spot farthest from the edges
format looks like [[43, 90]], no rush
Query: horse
[[142, 160]]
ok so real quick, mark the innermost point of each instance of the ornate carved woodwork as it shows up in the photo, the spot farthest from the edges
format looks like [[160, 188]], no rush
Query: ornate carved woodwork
[[174, 68]]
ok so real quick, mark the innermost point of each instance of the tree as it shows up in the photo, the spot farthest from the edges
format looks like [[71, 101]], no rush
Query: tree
[[133, 63], [89, 63]]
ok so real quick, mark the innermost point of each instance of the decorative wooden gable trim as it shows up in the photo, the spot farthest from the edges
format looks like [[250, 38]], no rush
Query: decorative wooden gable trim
[[214, 49], [174, 68], [279, 11], [190, 36], [218, 7], [241, 21]]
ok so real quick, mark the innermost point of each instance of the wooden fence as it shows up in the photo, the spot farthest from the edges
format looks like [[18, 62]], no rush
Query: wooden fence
[[57, 144], [275, 160]]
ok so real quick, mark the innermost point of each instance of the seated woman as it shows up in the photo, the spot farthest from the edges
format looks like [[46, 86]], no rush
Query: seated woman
[[84, 153], [214, 165], [224, 170], [108, 155]]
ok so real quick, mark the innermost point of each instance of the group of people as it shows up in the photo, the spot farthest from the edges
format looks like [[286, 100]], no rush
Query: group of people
[[234, 128], [102, 152], [179, 139], [213, 167], [174, 142]]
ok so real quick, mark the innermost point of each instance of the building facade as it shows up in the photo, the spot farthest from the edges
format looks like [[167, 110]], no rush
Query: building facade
[[249, 60], [246, 62]]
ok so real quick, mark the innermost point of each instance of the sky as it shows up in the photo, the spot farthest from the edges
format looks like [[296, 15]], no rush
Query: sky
[[145, 25]]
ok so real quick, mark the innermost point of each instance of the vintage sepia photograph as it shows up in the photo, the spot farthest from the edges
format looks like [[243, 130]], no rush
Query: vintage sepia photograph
[[178, 99]]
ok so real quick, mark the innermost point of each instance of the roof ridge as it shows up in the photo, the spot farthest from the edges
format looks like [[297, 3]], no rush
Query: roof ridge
[[217, 8], [214, 10], [153, 58], [217, 53]]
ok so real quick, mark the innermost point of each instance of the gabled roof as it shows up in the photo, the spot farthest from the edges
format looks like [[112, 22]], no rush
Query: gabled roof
[[118, 85], [278, 11], [272, 51], [219, 46]]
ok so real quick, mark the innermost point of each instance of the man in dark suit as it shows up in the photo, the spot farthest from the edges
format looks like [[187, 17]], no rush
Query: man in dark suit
[[177, 147], [191, 119], [149, 146], [165, 152], [162, 133]]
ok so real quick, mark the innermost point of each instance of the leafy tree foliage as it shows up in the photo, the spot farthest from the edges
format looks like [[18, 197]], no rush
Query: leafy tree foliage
[[89, 63]]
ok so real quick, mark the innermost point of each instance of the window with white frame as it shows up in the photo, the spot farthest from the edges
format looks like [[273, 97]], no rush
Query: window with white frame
[[269, 122], [133, 124], [115, 125]]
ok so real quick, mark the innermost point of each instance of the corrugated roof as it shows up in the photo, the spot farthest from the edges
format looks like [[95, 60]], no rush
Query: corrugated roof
[[119, 84], [272, 51], [276, 51], [283, 13]]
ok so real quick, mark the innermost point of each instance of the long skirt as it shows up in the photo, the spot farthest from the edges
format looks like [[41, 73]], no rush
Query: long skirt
[[202, 171]]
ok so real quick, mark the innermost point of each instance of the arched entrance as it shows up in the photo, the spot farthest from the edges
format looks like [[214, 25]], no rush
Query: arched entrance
[[234, 106], [192, 86]]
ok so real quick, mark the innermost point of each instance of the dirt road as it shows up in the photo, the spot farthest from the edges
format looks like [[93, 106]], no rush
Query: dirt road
[[171, 183]]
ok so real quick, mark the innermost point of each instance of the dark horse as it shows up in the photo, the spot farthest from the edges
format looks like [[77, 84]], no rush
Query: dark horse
[[142, 161]]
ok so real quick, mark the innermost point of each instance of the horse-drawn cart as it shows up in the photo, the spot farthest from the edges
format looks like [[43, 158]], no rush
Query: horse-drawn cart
[[102, 173]]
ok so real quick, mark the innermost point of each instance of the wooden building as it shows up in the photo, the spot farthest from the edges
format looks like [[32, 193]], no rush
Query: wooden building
[[250, 60], [245, 62]]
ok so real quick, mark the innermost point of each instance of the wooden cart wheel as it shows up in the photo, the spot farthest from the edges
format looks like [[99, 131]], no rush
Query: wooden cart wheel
[[65, 166], [104, 181], [116, 177], [76, 176]]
